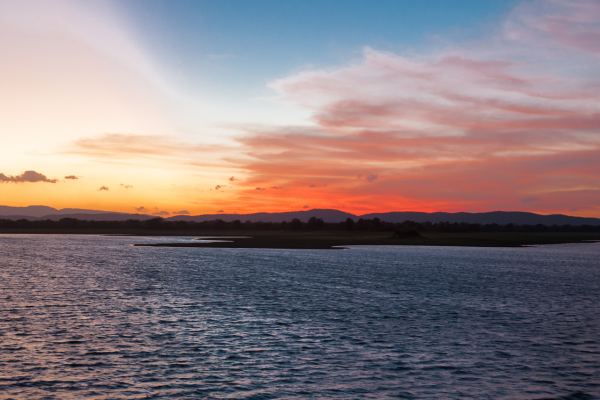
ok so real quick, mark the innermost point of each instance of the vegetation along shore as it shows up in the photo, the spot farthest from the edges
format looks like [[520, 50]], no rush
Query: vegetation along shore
[[316, 234]]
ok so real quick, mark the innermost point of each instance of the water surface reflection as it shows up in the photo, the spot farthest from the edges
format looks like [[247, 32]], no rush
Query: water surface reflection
[[92, 316]]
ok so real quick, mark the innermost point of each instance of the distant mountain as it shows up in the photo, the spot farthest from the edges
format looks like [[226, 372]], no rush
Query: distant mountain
[[328, 215], [498, 217], [100, 217], [494, 217], [41, 211], [82, 216]]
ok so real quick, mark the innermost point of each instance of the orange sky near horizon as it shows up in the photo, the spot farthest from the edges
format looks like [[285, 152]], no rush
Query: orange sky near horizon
[[510, 122]]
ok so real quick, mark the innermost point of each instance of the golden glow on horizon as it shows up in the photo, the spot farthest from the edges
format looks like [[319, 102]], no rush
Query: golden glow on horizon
[[484, 130]]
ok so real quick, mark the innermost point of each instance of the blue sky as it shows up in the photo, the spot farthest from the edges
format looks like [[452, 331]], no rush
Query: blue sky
[[235, 47]]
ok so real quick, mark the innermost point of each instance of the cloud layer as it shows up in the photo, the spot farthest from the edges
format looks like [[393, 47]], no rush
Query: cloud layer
[[513, 117]]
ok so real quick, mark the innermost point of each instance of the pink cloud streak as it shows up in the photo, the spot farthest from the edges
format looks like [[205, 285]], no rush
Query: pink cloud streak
[[453, 131]]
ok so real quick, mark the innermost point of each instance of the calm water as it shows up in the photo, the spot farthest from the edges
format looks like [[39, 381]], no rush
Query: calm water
[[93, 317]]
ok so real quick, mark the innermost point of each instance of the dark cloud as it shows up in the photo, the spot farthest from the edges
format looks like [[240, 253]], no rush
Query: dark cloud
[[313, 186], [305, 207], [574, 209], [71, 177], [232, 179], [127, 186], [103, 188], [529, 199], [184, 212], [259, 188], [219, 187], [371, 178], [27, 176], [142, 210], [161, 213], [220, 211], [276, 187]]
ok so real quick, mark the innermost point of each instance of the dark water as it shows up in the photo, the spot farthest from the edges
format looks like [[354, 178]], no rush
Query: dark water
[[92, 317]]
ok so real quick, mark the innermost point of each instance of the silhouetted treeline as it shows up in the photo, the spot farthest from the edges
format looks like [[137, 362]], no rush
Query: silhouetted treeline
[[314, 224]]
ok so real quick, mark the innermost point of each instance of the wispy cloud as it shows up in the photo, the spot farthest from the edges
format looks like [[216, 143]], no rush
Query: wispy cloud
[[130, 148], [184, 212], [142, 210], [103, 188], [71, 177], [126, 186]]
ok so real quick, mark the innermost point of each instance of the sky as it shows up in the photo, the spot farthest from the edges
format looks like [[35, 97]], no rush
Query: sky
[[202, 107]]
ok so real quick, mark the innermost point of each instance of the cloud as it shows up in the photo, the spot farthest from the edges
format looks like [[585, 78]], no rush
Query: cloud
[[574, 209], [220, 212], [276, 187], [126, 186], [103, 188], [184, 212], [161, 213], [130, 148], [371, 178], [232, 179], [71, 177], [219, 187], [27, 176], [142, 210], [471, 126], [259, 188], [529, 199], [306, 207]]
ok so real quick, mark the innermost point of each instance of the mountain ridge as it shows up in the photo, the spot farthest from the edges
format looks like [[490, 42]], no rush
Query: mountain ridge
[[41, 211], [328, 215]]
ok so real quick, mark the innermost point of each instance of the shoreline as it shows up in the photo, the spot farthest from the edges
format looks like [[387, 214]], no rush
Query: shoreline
[[334, 239], [339, 242]]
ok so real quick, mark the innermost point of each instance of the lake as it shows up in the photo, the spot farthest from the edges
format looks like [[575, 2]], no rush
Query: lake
[[94, 317]]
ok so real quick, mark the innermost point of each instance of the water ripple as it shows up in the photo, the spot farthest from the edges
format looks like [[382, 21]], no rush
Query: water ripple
[[93, 317]]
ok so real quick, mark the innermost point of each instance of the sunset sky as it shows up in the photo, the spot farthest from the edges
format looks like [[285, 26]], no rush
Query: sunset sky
[[198, 107]]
